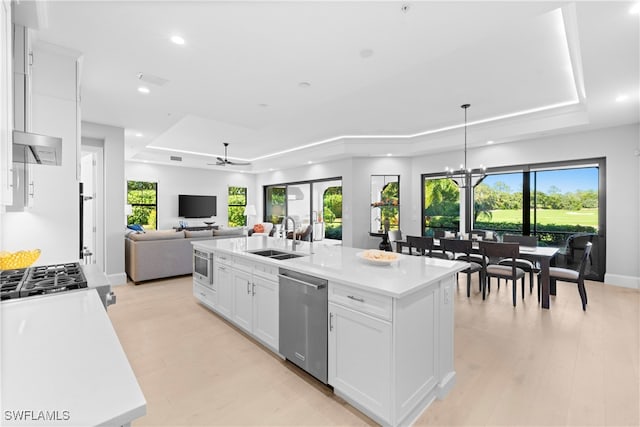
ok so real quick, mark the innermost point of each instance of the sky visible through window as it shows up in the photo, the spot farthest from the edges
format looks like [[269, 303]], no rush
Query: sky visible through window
[[566, 180]]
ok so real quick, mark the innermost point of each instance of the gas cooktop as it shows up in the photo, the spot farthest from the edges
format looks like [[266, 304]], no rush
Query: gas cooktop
[[41, 280]]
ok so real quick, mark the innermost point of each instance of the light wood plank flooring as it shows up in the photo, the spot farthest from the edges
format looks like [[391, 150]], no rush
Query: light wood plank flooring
[[515, 366]]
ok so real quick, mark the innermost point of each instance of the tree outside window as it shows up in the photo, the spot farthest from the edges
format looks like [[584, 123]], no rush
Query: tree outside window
[[237, 201], [143, 198]]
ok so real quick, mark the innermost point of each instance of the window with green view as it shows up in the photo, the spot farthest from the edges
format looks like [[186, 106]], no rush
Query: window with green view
[[236, 201], [143, 198]]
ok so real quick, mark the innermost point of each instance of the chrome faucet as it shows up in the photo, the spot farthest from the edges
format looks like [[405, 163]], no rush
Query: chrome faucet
[[285, 223]]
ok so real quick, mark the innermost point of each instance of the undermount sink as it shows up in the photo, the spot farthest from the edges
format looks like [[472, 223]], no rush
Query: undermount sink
[[274, 254]]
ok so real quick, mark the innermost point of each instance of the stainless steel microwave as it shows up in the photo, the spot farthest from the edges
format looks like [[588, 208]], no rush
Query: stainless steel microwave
[[203, 267]]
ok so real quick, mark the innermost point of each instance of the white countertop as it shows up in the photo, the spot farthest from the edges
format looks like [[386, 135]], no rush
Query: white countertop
[[61, 353], [341, 264]]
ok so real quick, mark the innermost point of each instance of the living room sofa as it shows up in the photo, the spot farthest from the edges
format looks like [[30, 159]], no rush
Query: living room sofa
[[165, 253]]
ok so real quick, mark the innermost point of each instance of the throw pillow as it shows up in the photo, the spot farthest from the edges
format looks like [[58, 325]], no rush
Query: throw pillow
[[135, 227], [258, 228], [449, 235]]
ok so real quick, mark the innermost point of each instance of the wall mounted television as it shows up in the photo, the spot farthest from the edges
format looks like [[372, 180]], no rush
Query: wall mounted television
[[190, 206]]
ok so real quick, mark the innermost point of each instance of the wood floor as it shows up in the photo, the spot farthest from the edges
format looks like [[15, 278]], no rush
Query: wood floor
[[515, 366]]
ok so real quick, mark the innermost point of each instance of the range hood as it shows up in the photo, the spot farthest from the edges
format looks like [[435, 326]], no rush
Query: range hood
[[28, 147], [34, 148]]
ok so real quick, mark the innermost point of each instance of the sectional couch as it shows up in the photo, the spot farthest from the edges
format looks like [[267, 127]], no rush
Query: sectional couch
[[165, 253]]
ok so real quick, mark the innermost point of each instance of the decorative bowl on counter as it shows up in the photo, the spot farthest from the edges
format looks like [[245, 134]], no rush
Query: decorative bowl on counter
[[20, 259], [377, 257]]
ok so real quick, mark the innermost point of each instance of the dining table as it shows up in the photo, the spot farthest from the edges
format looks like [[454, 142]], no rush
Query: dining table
[[540, 254]]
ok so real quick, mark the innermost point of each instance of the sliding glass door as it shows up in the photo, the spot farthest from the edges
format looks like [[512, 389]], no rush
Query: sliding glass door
[[316, 207]]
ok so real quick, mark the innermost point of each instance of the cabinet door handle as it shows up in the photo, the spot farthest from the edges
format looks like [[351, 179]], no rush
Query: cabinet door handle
[[253, 289], [330, 322], [355, 298], [248, 288]]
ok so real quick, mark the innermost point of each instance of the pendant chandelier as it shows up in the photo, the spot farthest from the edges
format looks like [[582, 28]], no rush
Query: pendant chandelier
[[466, 177]]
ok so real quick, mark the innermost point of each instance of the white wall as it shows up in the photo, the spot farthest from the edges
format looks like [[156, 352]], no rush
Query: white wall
[[52, 223], [174, 180], [114, 192]]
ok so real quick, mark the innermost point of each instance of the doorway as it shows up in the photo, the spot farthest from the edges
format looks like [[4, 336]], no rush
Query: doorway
[[92, 203]]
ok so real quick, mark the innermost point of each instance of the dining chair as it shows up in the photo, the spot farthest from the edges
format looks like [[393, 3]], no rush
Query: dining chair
[[525, 264], [455, 246], [396, 236], [494, 251], [425, 246], [573, 276]]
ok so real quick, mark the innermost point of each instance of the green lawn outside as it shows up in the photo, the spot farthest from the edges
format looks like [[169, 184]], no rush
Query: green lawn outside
[[586, 217]]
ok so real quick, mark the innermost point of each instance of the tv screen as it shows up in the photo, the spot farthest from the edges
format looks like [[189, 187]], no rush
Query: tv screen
[[196, 206]]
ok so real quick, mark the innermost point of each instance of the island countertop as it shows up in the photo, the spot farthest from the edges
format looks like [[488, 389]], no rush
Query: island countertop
[[342, 264]]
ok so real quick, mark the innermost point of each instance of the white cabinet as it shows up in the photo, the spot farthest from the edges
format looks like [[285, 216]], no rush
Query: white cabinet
[[256, 301], [224, 288], [391, 357], [247, 294], [204, 294], [266, 311], [242, 314], [360, 358], [6, 114]]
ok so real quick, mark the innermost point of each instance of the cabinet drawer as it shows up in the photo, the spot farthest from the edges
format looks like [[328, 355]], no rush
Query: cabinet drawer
[[266, 270], [204, 294], [240, 263], [222, 258], [361, 300]]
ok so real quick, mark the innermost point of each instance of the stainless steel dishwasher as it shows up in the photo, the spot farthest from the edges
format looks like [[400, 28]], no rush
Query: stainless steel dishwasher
[[303, 321]]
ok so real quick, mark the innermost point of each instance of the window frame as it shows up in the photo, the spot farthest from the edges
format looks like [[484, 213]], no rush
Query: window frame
[[151, 205], [229, 205]]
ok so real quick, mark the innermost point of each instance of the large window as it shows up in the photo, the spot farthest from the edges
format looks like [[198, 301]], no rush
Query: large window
[[497, 203], [441, 205], [143, 198], [236, 202], [562, 204]]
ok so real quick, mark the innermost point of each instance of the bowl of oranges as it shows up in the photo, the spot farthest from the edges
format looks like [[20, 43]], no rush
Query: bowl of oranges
[[19, 259]]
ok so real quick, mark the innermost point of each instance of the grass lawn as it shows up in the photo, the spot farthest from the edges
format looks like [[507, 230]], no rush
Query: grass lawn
[[587, 217]]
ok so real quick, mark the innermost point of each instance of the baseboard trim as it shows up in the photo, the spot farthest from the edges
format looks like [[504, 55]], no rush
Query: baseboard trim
[[117, 279], [622, 281]]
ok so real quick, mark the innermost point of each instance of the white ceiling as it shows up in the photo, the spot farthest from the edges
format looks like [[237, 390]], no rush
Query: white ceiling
[[526, 68]]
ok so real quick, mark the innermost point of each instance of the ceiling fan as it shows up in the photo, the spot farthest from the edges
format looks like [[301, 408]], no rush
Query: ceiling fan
[[225, 161]]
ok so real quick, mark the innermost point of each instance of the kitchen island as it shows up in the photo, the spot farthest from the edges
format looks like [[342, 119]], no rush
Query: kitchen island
[[390, 327], [62, 363]]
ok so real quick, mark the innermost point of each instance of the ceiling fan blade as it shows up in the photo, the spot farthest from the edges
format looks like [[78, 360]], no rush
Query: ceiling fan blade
[[238, 163]]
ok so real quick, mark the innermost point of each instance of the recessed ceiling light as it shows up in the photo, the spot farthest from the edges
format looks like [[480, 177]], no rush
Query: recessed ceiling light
[[405, 8], [177, 40], [138, 134], [304, 84], [389, 154], [366, 53], [635, 9], [309, 162], [271, 169], [263, 105], [622, 97], [143, 89], [489, 142]]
